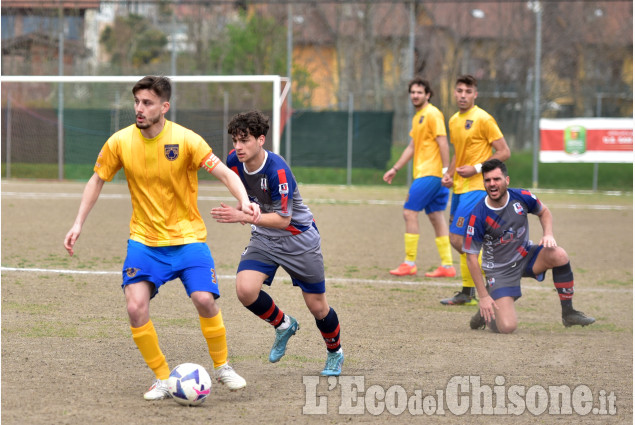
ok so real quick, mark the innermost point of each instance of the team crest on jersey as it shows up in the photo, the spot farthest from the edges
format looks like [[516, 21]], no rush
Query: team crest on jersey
[[470, 230], [263, 184], [468, 124], [131, 271], [171, 152], [518, 208], [283, 188], [459, 222], [491, 281], [421, 118]]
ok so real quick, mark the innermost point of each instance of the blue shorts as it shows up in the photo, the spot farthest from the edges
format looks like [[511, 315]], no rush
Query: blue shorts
[[462, 206], [192, 263], [427, 193]]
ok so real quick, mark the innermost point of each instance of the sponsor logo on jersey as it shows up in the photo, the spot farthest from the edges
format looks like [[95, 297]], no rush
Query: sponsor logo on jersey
[[491, 281], [171, 152], [468, 124], [470, 230], [131, 271], [518, 208], [283, 188]]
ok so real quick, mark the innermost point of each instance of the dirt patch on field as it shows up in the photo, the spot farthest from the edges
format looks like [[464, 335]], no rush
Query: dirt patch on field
[[68, 357]]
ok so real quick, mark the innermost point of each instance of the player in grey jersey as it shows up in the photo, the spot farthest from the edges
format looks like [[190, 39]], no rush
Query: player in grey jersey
[[284, 236], [499, 227]]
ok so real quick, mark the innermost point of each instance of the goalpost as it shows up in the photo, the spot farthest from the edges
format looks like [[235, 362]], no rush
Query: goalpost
[[66, 108]]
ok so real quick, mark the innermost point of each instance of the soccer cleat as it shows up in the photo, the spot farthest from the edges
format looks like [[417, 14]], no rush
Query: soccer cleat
[[442, 272], [158, 390], [282, 337], [404, 269], [334, 362], [226, 375], [575, 317], [459, 298], [477, 321]]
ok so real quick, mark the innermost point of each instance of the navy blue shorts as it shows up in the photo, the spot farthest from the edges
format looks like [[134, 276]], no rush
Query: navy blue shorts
[[192, 263]]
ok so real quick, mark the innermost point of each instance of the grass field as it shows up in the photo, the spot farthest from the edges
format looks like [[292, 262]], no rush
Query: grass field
[[618, 177], [68, 357]]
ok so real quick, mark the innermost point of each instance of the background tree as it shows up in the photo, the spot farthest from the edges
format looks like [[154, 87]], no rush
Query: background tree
[[134, 43]]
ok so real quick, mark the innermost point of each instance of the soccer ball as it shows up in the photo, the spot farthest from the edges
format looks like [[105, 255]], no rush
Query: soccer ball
[[189, 384]]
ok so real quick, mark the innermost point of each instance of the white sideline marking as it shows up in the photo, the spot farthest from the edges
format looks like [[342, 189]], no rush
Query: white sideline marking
[[545, 287], [58, 195]]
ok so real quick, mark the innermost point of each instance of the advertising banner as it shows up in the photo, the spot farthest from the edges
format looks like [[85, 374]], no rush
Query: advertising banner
[[595, 140]]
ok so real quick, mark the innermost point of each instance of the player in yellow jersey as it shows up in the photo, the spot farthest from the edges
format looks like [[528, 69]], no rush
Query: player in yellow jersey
[[429, 150], [167, 234], [474, 134]]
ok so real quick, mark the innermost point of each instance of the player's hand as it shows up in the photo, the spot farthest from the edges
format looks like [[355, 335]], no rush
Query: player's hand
[[466, 171], [447, 181], [548, 241], [71, 238], [253, 210], [487, 305], [389, 175], [227, 214]]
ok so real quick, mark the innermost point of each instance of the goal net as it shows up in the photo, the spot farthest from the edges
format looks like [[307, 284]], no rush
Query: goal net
[[54, 127]]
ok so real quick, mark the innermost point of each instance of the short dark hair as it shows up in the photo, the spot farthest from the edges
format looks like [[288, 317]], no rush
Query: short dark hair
[[418, 81], [253, 123], [161, 86], [492, 164], [468, 80]]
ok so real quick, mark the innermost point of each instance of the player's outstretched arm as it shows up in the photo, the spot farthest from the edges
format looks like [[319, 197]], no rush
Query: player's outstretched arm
[[485, 302], [89, 198], [546, 221], [227, 214], [406, 156], [237, 189]]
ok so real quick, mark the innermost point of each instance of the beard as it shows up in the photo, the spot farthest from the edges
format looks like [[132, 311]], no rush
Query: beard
[[149, 122]]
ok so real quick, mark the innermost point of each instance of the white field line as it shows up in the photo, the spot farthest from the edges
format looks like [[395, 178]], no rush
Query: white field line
[[328, 201], [545, 287]]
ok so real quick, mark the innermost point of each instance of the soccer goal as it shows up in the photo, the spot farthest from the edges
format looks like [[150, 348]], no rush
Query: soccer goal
[[53, 126]]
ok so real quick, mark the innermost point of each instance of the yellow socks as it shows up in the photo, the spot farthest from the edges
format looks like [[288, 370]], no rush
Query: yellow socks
[[466, 277], [214, 332], [411, 241], [445, 250], [148, 343]]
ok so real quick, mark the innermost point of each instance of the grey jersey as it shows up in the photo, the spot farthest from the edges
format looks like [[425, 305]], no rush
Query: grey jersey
[[274, 188], [502, 233]]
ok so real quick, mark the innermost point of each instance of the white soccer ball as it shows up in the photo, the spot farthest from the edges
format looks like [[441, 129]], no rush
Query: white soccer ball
[[189, 384]]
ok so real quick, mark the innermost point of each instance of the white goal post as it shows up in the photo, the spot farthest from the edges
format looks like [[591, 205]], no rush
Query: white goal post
[[280, 90]]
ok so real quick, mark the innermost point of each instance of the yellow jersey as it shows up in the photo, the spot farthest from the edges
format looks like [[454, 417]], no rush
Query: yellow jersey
[[163, 182], [472, 134], [427, 124]]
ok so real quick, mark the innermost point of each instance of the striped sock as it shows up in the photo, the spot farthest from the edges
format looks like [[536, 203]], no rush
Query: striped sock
[[563, 281], [266, 309], [329, 327]]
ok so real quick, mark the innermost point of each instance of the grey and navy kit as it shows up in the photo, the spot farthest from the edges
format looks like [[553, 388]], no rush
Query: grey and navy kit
[[295, 248], [503, 235]]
